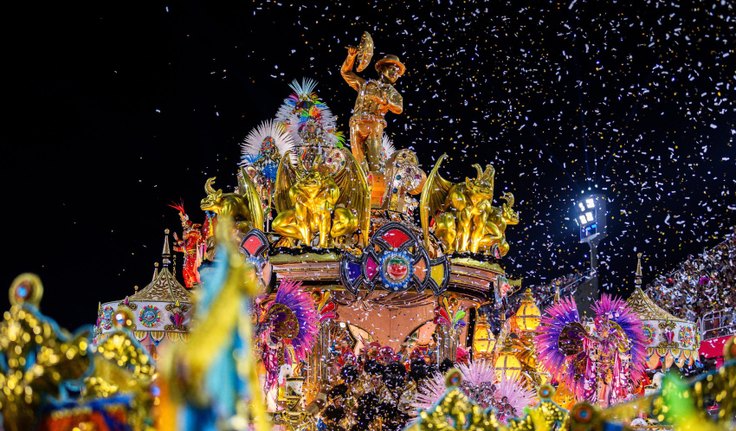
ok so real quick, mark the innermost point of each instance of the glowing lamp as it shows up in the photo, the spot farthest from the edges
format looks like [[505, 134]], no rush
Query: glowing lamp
[[507, 365], [528, 315], [483, 339]]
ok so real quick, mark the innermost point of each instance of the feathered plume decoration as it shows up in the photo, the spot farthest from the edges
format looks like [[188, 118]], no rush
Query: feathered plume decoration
[[287, 327], [618, 311], [510, 399], [446, 314], [565, 347], [555, 320], [477, 372], [267, 137], [326, 308], [479, 383], [179, 207], [387, 147], [430, 391], [293, 318], [307, 118]]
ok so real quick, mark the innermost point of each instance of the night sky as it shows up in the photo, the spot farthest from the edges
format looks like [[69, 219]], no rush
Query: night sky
[[119, 108]]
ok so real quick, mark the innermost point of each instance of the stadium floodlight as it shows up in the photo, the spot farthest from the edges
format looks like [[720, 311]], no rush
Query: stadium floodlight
[[591, 218]]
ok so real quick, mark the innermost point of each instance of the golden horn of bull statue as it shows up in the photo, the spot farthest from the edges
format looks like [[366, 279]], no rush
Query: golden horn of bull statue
[[479, 169], [208, 186]]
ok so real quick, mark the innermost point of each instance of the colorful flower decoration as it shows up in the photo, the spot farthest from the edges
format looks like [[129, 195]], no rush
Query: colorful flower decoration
[[687, 338], [396, 260], [149, 316]]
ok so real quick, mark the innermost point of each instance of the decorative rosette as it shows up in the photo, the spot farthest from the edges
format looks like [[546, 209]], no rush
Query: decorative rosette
[[149, 316], [396, 269]]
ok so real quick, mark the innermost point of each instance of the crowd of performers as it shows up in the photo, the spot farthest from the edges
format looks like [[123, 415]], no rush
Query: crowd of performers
[[702, 284]]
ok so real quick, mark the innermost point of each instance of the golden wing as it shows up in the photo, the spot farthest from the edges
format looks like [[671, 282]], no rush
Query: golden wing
[[354, 193], [433, 197], [285, 178], [249, 191]]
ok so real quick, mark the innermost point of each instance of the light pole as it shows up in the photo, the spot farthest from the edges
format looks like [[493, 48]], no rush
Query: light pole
[[591, 217]]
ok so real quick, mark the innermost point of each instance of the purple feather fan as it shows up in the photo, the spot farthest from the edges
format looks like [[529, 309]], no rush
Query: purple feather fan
[[618, 311], [294, 317], [552, 324]]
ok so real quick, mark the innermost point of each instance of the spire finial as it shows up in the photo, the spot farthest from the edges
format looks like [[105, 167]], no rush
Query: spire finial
[[637, 279], [166, 253], [155, 270]]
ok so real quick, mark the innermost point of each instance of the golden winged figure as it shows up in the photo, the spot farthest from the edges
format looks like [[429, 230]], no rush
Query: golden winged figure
[[327, 204], [464, 218]]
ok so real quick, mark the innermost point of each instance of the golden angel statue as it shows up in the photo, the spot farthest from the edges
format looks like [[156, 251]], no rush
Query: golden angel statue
[[464, 217], [376, 97], [328, 202]]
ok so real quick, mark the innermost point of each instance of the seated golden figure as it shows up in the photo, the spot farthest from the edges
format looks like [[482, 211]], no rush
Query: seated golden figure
[[320, 205], [465, 219]]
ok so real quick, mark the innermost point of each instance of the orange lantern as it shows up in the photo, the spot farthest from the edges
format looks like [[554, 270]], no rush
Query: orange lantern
[[483, 339], [528, 315]]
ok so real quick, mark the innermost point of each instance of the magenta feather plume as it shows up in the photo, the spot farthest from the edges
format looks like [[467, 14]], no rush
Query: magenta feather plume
[[618, 311], [477, 372], [430, 392], [301, 304], [555, 319], [517, 397], [479, 383]]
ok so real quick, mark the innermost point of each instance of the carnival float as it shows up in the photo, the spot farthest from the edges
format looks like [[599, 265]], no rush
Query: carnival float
[[342, 287]]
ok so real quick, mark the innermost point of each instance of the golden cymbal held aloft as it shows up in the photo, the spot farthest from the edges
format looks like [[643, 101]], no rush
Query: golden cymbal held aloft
[[365, 51]]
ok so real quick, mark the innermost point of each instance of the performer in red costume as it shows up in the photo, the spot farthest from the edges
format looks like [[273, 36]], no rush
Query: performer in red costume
[[192, 244]]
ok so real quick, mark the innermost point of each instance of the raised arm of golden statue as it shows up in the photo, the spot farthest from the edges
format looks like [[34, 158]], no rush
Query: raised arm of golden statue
[[347, 72], [375, 98]]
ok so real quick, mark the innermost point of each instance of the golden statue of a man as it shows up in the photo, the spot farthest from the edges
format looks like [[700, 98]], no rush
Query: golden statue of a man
[[375, 99]]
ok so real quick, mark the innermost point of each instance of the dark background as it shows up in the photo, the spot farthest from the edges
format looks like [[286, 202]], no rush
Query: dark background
[[115, 109]]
